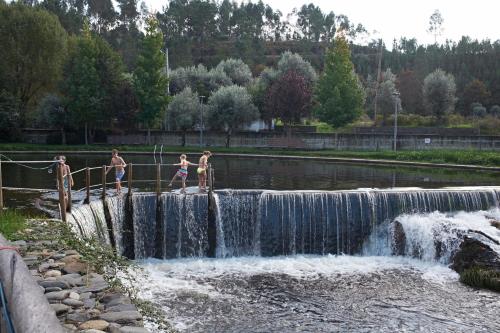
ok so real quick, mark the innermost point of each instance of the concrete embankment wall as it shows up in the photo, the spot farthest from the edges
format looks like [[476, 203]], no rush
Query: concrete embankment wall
[[345, 141], [29, 309]]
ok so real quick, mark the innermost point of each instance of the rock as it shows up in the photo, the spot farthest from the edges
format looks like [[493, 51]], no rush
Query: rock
[[89, 303], [73, 302], [398, 243], [77, 317], [70, 252], [85, 296], [94, 287], [70, 258], [75, 267], [53, 284], [124, 317], [474, 253], [93, 313], [57, 295], [121, 307], [60, 308], [52, 289], [133, 329], [108, 297], [118, 301], [70, 327], [94, 324], [74, 295], [53, 273], [73, 280], [114, 328], [93, 331], [58, 256], [30, 260], [19, 243], [496, 224]]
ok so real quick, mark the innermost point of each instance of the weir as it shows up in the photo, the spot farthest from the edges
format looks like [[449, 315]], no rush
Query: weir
[[262, 223]]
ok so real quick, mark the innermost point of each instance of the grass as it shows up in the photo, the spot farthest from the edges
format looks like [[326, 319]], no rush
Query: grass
[[11, 222], [471, 157], [481, 278]]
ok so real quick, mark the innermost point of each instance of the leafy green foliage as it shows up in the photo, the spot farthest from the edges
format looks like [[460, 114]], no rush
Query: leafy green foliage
[[236, 70], [439, 93], [33, 49], [184, 110], [338, 93], [150, 80]]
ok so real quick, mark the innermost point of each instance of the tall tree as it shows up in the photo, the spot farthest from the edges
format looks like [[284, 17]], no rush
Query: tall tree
[[230, 108], [338, 93], [410, 87], [475, 92], [33, 50], [436, 24], [150, 80], [289, 99], [386, 95], [184, 112], [439, 93]]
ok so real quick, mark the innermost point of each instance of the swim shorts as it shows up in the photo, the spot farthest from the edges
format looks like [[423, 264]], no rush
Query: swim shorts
[[119, 175]]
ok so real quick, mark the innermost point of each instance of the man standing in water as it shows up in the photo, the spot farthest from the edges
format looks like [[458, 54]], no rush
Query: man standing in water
[[202, 171], [119, 164]]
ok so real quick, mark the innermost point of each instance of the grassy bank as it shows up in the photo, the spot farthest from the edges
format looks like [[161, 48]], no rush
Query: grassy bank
[[11, 222], [471, 157]]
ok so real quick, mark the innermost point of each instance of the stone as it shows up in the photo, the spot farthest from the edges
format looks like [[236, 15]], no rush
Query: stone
[[121, 307], [474, 253], [133, 329], [108, 297], [75, 267], [94, 324], [94, 287], [74, 295], [73, 302], [58, 256], [60, 308], [53, 284], [84, 296], [30, 260], [51, 289], [53, 273], [89, 303], [19, 243], [92, 331], [70, 327], [93, 313], [398, 244], [120, 300], [73, 280], [77, 317], [124, 317], [57, 295], [114, 328], [70, 252], [70, 258]]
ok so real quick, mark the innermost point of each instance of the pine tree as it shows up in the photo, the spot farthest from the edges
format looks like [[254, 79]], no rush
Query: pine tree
[[150, 80], [339, 95]]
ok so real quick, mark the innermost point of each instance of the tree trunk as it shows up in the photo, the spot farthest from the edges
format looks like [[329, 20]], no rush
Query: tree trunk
[[228, 138], [63, 136], [86, 133], [184, 138]]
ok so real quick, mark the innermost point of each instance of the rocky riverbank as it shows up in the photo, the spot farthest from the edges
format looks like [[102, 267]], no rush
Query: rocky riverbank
[[79, 281]]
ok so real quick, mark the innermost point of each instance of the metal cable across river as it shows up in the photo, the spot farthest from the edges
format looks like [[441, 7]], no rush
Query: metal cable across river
[[291, 245]]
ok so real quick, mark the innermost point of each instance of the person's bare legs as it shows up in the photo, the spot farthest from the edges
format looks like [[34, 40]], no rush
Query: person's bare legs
[[170, 184], [183, 185]]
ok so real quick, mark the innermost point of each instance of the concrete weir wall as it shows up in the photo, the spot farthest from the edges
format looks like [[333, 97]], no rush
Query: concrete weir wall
[[340, 141]]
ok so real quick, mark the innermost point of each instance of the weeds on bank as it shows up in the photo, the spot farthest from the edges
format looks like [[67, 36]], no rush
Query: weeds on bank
[[11, 222], [481, 278]]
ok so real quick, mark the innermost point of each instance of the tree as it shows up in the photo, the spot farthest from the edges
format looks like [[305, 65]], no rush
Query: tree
[[436, 24], [150, 80], [439, 93], [475, 92], [32, 53], [9, 116], [230, 108], [495, 111], [93, 76], [236, 70], [183, 112], [339, 95], [294, 62], [53, 113], [126, 105], [289, 99], [386, 95], [410, 87]]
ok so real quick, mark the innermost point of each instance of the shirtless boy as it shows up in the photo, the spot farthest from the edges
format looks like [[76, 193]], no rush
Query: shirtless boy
[[119, 164]]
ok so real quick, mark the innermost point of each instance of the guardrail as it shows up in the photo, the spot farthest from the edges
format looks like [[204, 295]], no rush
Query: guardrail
[[65, 194]]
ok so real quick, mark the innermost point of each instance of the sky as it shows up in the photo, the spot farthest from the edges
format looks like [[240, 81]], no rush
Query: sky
[[402, 18]]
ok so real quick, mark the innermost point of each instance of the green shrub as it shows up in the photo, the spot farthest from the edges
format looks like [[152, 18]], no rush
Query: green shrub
[[481, 278], [10, 222]]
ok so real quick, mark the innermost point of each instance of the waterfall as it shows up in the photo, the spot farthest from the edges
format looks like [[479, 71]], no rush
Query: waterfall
[[268, 223]]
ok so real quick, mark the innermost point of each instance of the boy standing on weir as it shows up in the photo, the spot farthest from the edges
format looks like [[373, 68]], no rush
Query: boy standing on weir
[[202, 171], [119, 164]]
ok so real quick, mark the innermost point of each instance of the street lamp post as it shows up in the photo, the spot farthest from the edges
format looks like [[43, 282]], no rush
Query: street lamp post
[[396, 102], [201, 120]]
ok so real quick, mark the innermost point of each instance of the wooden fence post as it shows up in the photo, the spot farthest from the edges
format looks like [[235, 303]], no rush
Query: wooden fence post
[[103, 174], [129, 179], [87, 185], [158, 179], [1, 188], [60, 185]]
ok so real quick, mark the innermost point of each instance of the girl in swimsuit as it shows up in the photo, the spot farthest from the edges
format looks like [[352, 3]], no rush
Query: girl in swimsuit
[[182, 173], [202, 171]]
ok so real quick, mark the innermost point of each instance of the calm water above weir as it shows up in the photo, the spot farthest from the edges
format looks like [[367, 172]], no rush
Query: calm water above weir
[[245, 173]]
